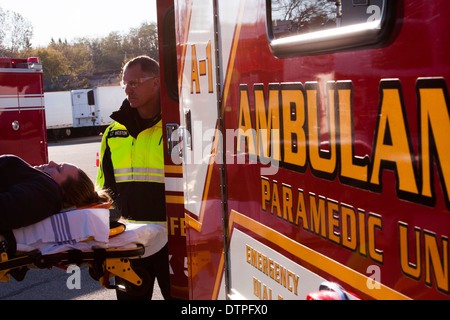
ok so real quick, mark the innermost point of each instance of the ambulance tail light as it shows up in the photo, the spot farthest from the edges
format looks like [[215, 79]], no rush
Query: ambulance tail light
[[324, 295], [331, 291]]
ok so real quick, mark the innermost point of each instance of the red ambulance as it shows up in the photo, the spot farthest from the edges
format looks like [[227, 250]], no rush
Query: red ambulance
[[307, 148]]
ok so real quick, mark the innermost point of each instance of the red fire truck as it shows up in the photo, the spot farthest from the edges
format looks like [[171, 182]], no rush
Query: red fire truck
[[22, 114], [307, 148]]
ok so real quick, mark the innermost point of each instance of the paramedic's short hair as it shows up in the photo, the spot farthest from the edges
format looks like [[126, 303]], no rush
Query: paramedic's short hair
[[81, 192], [148, 65]]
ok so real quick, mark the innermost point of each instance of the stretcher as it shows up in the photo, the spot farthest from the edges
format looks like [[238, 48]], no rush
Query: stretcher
[[91, 236]]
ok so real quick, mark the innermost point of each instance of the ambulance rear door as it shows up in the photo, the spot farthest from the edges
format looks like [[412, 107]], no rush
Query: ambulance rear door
[[204, 51]]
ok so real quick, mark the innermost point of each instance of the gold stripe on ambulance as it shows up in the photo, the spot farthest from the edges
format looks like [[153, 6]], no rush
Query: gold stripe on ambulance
[[174, 184], [334, 268]]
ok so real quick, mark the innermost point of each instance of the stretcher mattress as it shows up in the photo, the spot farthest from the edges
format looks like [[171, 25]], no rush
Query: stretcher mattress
[[87, 229]]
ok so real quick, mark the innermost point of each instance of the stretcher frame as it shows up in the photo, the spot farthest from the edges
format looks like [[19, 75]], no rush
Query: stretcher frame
[[103, 265]]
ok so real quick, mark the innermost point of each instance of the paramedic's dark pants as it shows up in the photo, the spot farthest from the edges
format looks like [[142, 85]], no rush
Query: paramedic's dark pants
[[157, 266]]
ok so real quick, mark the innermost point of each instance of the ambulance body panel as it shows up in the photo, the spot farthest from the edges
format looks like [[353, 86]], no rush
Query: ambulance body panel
[[314, 155]]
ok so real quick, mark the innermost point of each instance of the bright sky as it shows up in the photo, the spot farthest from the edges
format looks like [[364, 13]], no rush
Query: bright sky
[[81, 18]]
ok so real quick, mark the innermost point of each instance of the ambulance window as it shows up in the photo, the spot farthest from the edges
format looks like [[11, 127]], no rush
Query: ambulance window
[[303, 27]]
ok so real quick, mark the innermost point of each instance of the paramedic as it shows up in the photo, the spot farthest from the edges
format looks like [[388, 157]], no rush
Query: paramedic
[[30, 194], [132, 162]]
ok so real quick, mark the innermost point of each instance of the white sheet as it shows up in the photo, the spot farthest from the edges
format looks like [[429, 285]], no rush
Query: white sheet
[[67, 227], [75, 229]]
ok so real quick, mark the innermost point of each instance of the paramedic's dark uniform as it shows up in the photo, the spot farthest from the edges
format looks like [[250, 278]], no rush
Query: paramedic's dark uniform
[[132, 170], [27, 195]]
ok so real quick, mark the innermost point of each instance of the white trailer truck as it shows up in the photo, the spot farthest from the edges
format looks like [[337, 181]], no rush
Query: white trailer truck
[[81, 112]]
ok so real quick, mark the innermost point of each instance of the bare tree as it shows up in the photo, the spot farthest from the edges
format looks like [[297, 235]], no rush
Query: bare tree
[[15, 33], [2, 31]]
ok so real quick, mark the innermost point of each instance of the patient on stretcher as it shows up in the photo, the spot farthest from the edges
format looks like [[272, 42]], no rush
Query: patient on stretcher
[[85, 229], [30, 194], [54, 209], [84, 237]]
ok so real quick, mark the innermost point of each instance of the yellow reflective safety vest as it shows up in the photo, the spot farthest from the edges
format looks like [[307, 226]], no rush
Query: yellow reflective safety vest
[[132, 167]]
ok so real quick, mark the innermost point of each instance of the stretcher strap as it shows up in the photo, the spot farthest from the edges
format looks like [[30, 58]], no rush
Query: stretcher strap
[[99, 256], [78, 256], [75, 257]]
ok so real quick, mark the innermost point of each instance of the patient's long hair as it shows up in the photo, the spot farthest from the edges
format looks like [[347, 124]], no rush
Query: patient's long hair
[[81, 192]]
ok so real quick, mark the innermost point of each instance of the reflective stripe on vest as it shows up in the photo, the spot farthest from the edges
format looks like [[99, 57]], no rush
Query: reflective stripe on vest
[[139, 174]]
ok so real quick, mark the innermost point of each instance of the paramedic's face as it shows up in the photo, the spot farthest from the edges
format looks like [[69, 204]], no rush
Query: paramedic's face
[[142, 89], [60, 172]]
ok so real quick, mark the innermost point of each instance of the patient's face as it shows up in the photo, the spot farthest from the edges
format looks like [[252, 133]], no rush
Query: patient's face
[[60, 171]]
